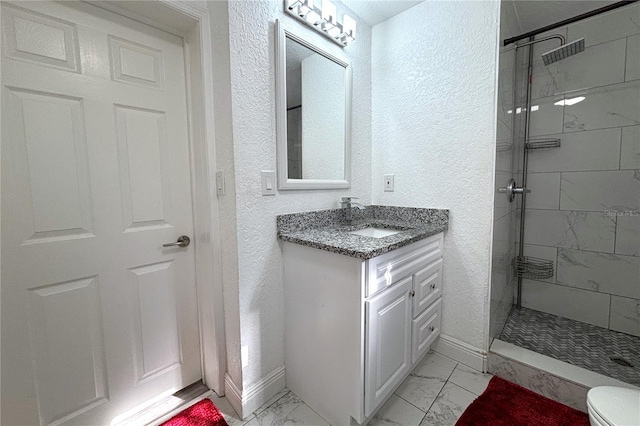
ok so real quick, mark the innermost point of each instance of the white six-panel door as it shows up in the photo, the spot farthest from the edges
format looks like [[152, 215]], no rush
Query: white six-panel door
[[97, 317]]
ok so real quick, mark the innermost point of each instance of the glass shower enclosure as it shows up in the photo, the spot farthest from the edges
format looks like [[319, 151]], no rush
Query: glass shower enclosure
[[566, 256]]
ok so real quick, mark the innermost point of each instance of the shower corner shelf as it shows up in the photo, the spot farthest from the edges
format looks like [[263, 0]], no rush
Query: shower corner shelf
[[532, 267], [543, 143]]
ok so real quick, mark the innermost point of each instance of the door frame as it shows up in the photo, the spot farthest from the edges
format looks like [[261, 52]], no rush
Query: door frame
[[190, 20]]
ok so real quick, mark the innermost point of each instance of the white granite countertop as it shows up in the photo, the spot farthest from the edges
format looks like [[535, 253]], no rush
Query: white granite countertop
[[328, 230]]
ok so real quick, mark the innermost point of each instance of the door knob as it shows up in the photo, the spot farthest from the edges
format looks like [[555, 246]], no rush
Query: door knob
[[182, 241], [512, 189]]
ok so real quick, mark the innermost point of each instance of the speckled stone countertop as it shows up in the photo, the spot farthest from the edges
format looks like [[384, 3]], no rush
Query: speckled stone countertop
[[329, 229]]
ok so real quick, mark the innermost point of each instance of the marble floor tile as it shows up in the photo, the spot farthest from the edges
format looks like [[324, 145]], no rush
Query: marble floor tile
[[288, 410], [426, 381], [227, 411], [396, 411], [449, 406], [469, 379], [275, 398], [458, 386], [420, 391], [434, 366]]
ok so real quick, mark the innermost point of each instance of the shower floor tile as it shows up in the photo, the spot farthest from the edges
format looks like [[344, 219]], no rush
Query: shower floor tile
[[575, 342]]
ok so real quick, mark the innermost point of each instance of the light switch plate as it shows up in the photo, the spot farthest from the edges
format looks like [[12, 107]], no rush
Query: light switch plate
[[388, 183], [219, 183], [268, 182]]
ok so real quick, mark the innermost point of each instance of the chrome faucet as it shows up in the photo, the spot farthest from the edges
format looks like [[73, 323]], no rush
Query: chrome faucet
[[347, 203]]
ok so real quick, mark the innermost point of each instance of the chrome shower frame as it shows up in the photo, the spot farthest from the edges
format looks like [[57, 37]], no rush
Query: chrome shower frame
[[525, 159]]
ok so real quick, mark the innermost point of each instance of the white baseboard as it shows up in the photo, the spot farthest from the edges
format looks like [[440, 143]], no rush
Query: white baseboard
[[461, 352], [233, 394], [248, 400]]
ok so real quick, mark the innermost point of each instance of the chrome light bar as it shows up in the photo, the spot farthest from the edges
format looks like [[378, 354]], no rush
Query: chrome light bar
[[323, 20]]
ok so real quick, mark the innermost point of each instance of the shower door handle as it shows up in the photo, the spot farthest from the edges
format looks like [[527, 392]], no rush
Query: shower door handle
[[512, 189]]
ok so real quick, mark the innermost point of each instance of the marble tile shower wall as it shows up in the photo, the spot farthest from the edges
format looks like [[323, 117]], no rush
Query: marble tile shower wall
[[584, 209]]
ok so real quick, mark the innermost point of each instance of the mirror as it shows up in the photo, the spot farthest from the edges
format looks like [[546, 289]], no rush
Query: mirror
[[313, 113]]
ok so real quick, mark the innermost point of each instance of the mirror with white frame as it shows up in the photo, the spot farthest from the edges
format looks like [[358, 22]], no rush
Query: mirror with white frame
[[313, 114]]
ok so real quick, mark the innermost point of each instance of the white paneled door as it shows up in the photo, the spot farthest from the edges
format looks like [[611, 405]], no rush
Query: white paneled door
[[97, 316]]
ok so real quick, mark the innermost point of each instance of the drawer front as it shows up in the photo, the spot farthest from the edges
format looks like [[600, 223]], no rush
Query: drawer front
[[425, 329], [427, 284], [384, 270]]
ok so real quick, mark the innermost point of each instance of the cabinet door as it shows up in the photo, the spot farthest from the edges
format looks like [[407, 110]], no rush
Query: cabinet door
[[388, 342]]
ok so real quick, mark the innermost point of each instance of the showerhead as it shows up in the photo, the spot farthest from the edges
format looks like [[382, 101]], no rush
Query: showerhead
[[563, 51]]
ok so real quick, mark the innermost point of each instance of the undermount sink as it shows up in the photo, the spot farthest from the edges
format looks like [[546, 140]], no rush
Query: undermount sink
[[376, 232]]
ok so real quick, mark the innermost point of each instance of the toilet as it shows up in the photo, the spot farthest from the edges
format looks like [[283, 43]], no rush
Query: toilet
[[613, 406]]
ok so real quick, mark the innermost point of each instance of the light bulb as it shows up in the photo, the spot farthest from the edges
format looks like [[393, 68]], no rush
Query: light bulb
[[329, 12], [349, 27]]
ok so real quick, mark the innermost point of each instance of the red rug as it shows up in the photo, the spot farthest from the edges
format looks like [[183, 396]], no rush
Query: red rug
[[202, 413], [506, 404]]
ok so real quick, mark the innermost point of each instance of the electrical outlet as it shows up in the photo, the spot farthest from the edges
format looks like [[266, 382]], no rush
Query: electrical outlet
[[388, 183]]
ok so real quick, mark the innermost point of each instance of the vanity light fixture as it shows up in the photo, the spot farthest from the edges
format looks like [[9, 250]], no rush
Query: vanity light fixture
[[348, 28], [324, 21], [329, 14]]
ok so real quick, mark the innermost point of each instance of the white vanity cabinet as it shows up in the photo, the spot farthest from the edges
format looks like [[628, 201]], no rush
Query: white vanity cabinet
[[355, 329]]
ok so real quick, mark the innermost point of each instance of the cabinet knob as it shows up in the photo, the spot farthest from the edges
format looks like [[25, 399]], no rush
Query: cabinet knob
[[413, 293], [432, 328], [433, 286]]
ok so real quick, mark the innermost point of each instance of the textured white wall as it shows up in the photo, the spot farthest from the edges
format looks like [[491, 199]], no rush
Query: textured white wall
[[219, 14], [259, 260], [434, 120]]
